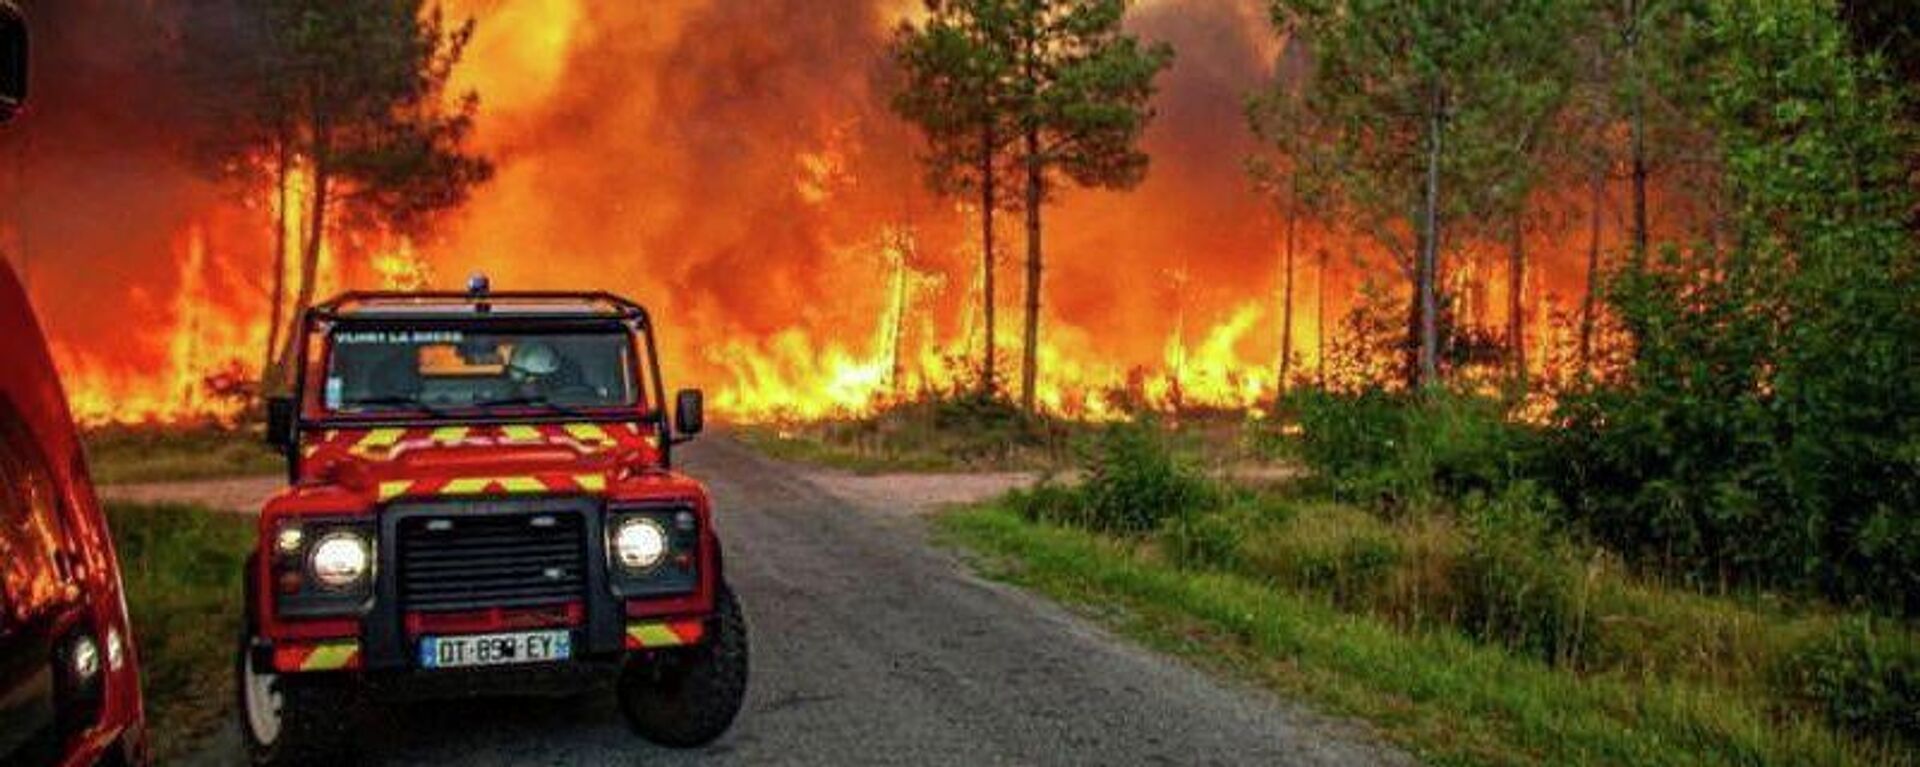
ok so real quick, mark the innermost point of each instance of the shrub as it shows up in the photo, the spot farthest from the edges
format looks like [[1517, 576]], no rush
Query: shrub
[[1864, 676], [1331, 549], [1763, 429], [1397, 450], [1135, 482], [1207, 540], [1049, 502], [1348, 440], [1519, 582]]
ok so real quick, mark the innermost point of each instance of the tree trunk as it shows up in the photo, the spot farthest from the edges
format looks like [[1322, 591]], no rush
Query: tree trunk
[[283, 165], [1427, 267], [1320, 317], [987, 193], [1637, 104], [1516, 300], [1030, 372], [309, 260], [1286, 301], [1591, 298]]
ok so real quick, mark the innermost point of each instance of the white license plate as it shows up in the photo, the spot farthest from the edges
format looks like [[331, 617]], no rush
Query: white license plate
[[495, 649]]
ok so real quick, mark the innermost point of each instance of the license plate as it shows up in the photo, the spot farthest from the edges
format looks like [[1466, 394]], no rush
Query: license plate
[[495, 649]]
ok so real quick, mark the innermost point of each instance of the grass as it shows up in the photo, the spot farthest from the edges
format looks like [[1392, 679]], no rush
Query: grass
[[812, 446], [1432, 689], [130, 454], [181, 565], [965, 433]]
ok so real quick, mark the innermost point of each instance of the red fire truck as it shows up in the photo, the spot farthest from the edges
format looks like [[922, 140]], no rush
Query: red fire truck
[[482, 499]]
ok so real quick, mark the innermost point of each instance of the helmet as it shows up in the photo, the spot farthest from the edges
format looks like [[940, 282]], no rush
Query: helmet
[[533, 360]]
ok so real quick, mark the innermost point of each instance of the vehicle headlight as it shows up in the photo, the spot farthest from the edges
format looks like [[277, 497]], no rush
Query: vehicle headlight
[[340, 559], [116, 650], [85, 658], [639, 543]]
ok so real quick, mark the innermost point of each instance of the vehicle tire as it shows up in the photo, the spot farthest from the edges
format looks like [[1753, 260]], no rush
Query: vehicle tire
[[292, 720], [689, 697]]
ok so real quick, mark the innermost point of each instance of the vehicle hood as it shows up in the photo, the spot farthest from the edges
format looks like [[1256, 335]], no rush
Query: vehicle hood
[[441, 461]]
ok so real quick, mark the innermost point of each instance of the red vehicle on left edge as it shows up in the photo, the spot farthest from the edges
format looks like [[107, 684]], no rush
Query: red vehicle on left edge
[[69, 684]]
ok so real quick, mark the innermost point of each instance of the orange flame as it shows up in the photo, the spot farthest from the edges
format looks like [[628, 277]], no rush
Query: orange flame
[[752, 189]]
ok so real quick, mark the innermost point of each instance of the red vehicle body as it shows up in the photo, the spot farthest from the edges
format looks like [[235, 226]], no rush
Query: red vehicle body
[[62, 608], [475, 541]]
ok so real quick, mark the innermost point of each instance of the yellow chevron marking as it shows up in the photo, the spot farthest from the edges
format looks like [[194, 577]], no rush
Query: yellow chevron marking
[[653, 635], [592, 483], [523, 485], [520, 433], [395, 489], [518, 485], [330, 656], [380, 439], [588, 433], [450, 435], [467, 486]]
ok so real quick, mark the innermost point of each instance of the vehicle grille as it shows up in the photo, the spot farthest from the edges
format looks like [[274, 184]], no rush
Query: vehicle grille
[[457, 562]]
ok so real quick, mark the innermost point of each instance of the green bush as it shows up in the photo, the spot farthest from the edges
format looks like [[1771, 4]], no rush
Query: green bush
[[1863, 675], [1049, 502], [1396, 450], [1206, 540], [1134, 482], [1331, 549], [1349, 440], [1519, 582], [1763, 430]]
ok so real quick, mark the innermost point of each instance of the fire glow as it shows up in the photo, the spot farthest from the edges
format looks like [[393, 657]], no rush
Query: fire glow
[[733, 166]]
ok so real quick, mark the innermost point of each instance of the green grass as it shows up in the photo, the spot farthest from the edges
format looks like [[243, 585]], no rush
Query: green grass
[[804, 445], [129, 454], [181, 565], [1434, 691], [951, 433], [970, 434]]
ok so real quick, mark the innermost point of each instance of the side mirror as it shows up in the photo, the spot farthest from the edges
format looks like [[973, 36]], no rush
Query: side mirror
[[280, 423], [13, 60], [690, 411]]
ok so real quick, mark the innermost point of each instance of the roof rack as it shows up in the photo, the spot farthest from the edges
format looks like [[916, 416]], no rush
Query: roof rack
[[515, 304]]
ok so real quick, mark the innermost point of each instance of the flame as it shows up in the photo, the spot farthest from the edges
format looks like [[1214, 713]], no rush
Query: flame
[[204, 374], [753, 190]]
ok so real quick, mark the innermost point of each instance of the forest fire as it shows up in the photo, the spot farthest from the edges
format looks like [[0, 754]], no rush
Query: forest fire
[[735, 167]]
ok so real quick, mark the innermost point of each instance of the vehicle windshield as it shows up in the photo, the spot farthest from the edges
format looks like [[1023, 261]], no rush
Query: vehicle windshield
[[374, 371]]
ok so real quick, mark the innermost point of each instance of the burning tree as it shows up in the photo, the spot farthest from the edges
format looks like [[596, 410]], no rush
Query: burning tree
[[957, 91], [1052, 88], [341, 106], [1083, 85], [1419, 115]]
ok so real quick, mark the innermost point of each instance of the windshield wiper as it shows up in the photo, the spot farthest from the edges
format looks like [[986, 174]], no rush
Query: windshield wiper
[[528, 401], [396, 401]]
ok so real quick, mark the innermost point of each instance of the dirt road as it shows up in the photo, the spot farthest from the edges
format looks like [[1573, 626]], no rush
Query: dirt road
[[872, 647]]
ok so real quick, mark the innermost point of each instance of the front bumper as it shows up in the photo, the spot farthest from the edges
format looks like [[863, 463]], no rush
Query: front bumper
[[479, 586]]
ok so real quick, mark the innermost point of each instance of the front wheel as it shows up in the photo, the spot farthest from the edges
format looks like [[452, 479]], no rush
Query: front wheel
[[689, 697], [290, 719]]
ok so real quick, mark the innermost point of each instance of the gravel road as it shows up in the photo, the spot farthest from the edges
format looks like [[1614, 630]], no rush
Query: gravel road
[[871, 647]]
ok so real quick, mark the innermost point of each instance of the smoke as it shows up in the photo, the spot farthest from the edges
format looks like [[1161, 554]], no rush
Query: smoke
[[95, 188], [731, 163]]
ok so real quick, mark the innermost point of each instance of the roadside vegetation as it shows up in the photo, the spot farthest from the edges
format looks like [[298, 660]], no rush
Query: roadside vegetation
[[181, 565], [933, 433], [162, 453], [1471, 626], [961, 432]]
